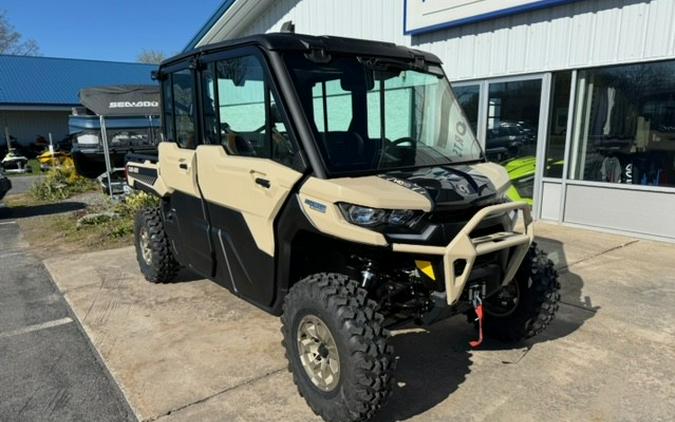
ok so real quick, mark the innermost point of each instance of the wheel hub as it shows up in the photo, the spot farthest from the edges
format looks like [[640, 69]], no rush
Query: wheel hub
[[505, 301], [146, 251], [318, 353]]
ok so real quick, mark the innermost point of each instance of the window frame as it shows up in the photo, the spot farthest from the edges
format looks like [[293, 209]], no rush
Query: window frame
[[188, 65], [271, 91]]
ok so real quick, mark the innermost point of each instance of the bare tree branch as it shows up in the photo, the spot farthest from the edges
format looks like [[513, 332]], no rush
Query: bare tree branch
[[151, 57], [11, 41]]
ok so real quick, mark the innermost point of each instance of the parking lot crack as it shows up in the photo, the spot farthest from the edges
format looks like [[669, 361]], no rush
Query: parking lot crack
[[221, 392], [606, 251]]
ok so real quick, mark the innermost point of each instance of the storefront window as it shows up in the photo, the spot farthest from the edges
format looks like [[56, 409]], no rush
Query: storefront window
[[625, 125], [512, 127], [557, 127], [468, 97]]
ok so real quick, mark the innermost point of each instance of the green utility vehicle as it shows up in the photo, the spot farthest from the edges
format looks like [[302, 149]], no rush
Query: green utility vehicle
[[336, 182]]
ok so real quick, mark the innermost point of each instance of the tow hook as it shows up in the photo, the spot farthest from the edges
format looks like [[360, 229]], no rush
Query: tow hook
[[476, 292]]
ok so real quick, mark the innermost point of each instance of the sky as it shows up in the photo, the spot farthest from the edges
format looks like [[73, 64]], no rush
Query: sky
[[116, 30]]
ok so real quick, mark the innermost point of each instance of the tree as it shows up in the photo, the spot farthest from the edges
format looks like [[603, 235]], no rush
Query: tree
[[151, 57], [11, 42]]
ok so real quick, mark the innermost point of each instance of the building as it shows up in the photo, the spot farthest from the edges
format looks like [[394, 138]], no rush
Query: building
[[37, 93], [576, 97]]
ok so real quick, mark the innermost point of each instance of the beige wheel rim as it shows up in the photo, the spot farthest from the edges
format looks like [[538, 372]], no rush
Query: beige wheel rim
[[318, 353], [146, 251]]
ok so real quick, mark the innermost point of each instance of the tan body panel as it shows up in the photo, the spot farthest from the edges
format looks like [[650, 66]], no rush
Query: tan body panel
[[497, 175], [159, 186], [171, 158], [229, 181], [370, 191]]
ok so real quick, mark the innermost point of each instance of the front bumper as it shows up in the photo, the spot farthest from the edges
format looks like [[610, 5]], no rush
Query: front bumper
[[466, 249]]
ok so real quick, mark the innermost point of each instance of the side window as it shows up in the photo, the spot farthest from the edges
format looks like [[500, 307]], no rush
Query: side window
[[249, 117], [184, 109], [209, 104], [167, 104]]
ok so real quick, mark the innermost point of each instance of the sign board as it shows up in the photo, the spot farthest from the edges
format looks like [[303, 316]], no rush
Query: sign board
[[420, 16]]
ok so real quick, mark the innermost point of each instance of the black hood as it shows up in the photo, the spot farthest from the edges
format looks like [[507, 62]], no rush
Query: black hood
[[446, 185]]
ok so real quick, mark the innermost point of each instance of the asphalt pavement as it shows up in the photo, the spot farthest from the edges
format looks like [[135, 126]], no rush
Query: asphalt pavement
[[48, 368], [22, 184]]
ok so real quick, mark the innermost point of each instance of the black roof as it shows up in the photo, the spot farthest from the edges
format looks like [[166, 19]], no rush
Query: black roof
[[299, 42]]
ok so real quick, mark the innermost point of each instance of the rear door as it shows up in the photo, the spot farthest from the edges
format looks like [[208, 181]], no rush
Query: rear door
[[185, 216], [247, 170]]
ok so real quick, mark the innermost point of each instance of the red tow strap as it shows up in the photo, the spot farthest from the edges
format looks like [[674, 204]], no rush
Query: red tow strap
[[479, 313]]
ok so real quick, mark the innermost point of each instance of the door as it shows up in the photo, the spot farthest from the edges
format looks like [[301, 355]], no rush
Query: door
[[515, 128], [246, 173], [186, 222]]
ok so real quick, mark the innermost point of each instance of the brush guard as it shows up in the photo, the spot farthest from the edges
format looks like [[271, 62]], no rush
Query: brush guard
[[464, 248]]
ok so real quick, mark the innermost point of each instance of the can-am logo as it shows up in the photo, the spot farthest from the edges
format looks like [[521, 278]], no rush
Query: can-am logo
[[133, 104]]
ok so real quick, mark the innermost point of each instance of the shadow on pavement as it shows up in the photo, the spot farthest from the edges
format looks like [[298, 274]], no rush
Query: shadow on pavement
[[435, 361], [186, 276], [40, 210], [432, 364]]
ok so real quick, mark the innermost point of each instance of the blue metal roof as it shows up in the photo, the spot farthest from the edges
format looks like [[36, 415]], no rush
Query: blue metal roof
[[50, 81]]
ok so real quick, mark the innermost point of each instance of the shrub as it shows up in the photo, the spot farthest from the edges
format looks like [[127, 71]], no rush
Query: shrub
[[61, 183], [125, 211]]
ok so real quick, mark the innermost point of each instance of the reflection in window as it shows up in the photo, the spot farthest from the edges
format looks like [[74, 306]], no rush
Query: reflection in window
[[625, 129], [250, 121], [468, 97], [557, 127], [513, 119], [511, 137], [336, 102], [183, 107], [167, 104]]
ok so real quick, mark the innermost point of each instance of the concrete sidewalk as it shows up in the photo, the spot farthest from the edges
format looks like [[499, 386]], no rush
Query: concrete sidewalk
[[192, 351]]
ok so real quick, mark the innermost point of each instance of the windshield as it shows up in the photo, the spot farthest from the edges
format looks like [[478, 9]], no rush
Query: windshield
[[372, 114]]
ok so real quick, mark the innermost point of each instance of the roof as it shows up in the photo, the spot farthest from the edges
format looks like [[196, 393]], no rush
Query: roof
[[49, 81], [208, 25], [301, 42]]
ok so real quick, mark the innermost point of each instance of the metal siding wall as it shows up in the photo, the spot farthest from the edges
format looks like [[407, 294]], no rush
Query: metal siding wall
[[641, 212], [580, 34], [25, 126]]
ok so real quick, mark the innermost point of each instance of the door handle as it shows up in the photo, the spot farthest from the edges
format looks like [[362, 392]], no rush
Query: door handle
[[183, 166], [263, 182]]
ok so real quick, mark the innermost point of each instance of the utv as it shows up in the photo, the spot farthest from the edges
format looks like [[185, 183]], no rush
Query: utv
[[336, 182]]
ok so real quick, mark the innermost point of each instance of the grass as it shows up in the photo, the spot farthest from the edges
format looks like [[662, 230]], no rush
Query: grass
[[61, 183], [22, 200], [60, 234]]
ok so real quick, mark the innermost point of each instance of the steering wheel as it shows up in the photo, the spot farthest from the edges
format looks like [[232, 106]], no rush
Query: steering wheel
[[403, 140], [406, 139]]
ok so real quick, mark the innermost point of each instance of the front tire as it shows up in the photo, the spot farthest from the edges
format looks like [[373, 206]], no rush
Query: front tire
[[537, 295], [336, 348], [153, 250]]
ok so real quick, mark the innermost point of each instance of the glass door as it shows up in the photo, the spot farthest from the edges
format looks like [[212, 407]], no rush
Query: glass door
[[515, 128]]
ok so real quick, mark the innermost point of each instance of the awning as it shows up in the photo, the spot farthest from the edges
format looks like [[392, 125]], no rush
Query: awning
[[122, 100]]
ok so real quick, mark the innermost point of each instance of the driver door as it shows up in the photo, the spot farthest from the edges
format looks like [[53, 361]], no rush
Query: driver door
[[247, 172]]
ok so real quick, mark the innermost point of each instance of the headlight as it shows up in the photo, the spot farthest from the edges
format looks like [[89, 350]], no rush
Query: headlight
[[371, 217]]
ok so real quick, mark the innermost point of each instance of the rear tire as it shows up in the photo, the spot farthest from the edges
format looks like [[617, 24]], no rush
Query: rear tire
[[364, 360], [538, 300], [153, 250]]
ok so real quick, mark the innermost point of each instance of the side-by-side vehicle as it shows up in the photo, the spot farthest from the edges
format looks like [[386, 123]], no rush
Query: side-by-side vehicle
[[336, 182]]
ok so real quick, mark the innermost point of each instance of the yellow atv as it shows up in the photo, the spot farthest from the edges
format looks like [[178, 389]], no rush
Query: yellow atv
[[336, 183]]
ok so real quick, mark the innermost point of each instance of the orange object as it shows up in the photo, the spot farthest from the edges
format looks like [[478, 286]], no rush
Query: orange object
[[479, 313]]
